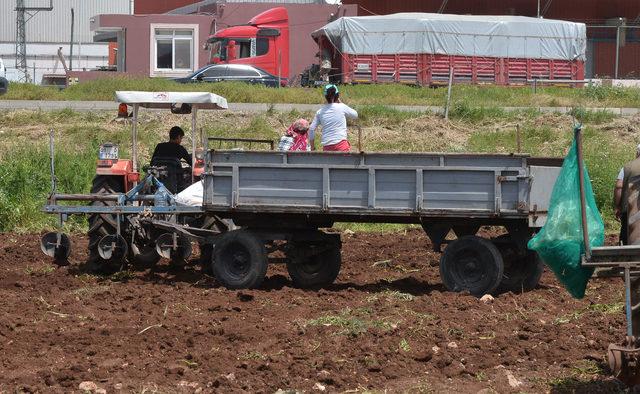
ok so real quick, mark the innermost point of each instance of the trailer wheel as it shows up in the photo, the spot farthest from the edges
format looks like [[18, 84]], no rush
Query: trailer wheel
[[103, 224], [239, 260], [471, 264], [521, 273], [309, 268]]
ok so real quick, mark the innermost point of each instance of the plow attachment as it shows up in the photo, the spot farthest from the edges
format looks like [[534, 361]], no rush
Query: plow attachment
[[56, 245]]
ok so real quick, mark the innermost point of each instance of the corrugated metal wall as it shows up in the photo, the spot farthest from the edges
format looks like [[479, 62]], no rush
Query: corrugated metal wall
[[55, 26]]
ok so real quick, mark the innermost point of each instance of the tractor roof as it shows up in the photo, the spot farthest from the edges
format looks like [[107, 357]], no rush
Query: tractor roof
[[203, 100]]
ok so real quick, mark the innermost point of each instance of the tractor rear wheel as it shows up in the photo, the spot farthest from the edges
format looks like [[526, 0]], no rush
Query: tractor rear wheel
[[105, 224]]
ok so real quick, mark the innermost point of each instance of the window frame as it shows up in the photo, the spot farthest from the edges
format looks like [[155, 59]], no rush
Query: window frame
[[154, 71]]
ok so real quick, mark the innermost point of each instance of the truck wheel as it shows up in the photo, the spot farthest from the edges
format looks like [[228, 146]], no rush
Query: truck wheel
[[521, 273], [308, 268], [239, 260], [471, 264], [103, 224]]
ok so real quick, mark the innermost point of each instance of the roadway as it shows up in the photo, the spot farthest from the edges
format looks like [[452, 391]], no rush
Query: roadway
[[263, 107]]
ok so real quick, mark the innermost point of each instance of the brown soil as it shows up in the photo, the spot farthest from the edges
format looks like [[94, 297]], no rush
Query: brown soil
[[387, 323]]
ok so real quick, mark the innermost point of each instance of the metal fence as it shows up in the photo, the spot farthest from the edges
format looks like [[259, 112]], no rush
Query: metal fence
[[613, 51]]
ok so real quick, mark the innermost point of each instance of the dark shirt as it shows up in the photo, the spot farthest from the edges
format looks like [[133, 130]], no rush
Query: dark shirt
[[172, 150]]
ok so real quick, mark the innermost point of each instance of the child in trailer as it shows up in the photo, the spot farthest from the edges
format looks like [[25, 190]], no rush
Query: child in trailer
[[296, 137]]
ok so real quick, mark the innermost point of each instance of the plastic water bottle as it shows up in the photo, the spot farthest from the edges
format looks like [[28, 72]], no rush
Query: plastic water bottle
[[286, 142], [161, 198]]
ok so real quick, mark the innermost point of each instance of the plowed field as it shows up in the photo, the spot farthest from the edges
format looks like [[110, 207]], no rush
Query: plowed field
[[387, 323]]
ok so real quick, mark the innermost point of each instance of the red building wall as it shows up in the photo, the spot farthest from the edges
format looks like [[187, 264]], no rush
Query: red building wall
[[142, 7], [604, 60]]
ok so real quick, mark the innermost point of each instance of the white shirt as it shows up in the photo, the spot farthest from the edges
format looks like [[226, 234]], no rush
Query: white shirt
[[333, 119]]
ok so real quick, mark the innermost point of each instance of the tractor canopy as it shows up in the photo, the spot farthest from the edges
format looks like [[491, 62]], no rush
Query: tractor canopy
[[203, 100]]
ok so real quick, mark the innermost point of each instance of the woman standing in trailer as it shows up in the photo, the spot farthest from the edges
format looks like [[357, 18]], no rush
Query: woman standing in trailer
[[333, 119]]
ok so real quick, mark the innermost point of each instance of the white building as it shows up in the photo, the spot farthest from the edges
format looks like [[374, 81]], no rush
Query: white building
[[49, 30]]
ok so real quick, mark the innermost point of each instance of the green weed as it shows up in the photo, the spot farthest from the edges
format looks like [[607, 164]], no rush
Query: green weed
[[350, 322], [404, 345]]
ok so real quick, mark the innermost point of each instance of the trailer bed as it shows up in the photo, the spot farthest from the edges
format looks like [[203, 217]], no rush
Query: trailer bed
[[390, 187]]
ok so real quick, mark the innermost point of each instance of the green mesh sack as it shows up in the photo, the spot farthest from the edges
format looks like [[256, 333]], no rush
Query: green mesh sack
[[560, 242]]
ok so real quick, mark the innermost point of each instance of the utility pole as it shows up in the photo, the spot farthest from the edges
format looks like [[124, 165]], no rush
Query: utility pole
[[25, 13], [538, 13], [21, 42]]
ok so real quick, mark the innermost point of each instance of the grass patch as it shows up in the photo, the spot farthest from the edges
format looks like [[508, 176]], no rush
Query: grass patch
[[25, 184], [391, 296], [472, 95], [254, 355], [350, 322], [404, 345], [40, 270], [384, 228], [607, 309], [24, 162]]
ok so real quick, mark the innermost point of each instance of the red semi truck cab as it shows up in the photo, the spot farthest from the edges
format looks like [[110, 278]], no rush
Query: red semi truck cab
[[263, 43]]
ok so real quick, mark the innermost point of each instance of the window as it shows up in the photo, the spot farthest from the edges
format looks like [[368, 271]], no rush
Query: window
[[174, 49], [214, 71], [262, 46], [242, 72]]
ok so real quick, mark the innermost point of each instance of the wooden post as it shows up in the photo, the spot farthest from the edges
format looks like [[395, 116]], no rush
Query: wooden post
[[446, 108], [518, 141]]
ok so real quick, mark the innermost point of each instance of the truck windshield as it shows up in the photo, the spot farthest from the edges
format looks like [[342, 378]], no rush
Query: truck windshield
[[219, 48]]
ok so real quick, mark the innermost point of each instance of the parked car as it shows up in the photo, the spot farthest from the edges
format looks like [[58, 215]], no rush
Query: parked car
[[233, 72], [4, 84]]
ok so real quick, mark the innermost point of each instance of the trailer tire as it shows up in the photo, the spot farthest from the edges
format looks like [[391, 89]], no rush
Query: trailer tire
[[239, 260], [472, 264], [317, 270], [521, 273], [103, 224]]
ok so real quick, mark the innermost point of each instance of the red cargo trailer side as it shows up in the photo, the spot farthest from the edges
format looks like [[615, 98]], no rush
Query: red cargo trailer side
[[428, 69]]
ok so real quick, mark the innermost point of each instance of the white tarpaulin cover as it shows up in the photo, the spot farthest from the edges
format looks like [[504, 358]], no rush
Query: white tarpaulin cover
[[203, 100], [192, 196], [464, 35]]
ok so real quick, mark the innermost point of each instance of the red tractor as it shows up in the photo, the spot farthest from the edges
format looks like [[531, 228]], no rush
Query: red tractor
[[119, 196]]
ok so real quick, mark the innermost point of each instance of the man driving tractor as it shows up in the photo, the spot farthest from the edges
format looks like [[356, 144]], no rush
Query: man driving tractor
[[172, 148], [168, 154]]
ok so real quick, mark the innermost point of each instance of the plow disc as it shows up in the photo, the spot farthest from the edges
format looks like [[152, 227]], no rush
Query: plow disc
[[112, 247], [624, 361], [56, 245], [173, 247]]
